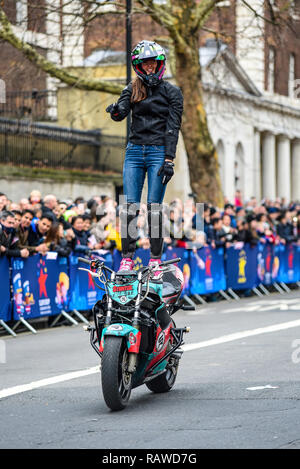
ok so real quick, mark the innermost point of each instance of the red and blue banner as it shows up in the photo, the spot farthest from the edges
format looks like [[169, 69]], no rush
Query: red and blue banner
[[5, 303], [141, 259], [240, 266], [40, 285], [46, 285], [207, 271], [267, 264], [83, 292], [286, 258], [184, 264]]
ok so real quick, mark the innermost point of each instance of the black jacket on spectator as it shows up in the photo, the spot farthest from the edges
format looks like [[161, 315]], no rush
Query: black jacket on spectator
[[81, 237], [64, 247], [35, 238], [286, 231], [245, 236], [218, 236], [10, 242]]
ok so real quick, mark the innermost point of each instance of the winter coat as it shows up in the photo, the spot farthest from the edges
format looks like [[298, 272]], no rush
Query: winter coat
[[156, 120]]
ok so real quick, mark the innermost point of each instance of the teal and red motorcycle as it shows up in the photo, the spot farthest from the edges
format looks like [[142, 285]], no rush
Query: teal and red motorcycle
[[134, 332]]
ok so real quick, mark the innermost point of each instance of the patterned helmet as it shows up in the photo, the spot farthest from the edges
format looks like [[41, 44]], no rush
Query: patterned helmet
[[149, 50]]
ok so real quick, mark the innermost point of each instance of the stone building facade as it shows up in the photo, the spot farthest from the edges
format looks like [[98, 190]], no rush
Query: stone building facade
[[251, 82]]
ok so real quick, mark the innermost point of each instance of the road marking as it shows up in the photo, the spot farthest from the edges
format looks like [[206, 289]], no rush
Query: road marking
[[207, 343], [242, 335], [258, 388], [47, 381]]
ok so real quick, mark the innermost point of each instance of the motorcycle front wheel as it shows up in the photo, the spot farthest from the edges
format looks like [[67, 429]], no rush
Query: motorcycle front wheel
[[116, 381]]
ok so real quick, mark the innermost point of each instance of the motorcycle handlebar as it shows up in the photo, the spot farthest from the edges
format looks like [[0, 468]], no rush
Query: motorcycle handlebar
[[171, 261], [85, 261]]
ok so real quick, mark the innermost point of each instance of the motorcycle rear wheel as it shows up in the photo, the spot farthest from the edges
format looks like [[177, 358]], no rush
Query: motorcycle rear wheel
[[164, 382], [116, 381]]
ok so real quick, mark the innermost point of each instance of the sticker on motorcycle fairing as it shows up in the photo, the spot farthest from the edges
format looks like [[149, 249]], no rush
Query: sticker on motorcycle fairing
[[132, 338], [160, 341], [123, 293], [122, 289], [123, 299], [115, 327]]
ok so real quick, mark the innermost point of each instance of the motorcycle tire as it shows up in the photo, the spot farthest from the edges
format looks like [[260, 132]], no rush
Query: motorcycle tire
[[116, 381], [164, 382]]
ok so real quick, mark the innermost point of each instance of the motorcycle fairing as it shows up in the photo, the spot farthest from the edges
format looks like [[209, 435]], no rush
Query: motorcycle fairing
[[132, 334], [123, 294], [161, 343]]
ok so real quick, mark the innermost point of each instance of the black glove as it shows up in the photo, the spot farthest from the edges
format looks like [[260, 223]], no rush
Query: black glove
[[167, 170], [112, 109]]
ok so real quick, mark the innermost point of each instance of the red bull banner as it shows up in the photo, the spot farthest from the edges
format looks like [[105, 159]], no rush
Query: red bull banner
[[240, 265], [5, 303], [40, 285]]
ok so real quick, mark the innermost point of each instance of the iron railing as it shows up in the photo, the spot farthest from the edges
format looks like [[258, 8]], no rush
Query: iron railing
[[37, 105], [43, 145]]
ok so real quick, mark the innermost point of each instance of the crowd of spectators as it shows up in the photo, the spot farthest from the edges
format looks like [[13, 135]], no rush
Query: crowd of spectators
[[39, 224]]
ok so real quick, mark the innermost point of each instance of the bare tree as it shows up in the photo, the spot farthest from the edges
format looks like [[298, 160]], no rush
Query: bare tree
[[183, 21]]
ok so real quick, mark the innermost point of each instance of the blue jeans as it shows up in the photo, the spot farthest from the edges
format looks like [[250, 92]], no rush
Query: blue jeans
[[139, 160]]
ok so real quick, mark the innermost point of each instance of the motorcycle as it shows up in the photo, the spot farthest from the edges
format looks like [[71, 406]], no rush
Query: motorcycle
[[134, 332]]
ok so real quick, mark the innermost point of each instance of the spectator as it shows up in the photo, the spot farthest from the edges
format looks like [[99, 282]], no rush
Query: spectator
[[57, 241], [37, 234], [23, 229], [8, 240], [238, 198], [49, 203], [216, 235], [35, 197], [245, 234], [3, 201], [113, 239], [228, 231], [285, 229], [18, 217], [81, 237], [25, 204]]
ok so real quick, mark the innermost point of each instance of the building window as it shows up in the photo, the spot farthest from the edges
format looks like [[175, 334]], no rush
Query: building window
[[271, 70], [21, 12], [292, 76]]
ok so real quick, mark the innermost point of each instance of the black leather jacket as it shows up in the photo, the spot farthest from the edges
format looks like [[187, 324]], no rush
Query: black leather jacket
[[156, 120]]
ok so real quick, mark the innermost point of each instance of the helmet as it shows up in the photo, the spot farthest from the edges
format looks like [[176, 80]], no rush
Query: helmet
[[149, 50]]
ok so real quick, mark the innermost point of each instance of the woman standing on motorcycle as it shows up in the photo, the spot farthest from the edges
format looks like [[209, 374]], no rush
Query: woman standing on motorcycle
[[156, 107]]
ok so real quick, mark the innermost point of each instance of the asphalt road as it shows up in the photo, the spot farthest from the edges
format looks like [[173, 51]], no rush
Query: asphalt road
[[237, 386]]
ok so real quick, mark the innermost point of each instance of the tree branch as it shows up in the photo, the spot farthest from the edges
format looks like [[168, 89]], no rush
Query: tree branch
[[202, 11], [41, 62]]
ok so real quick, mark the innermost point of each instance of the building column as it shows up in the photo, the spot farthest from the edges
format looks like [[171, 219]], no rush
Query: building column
[[229, 185], [284, 168], [256, 190], [268, 166], [296, 170]]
